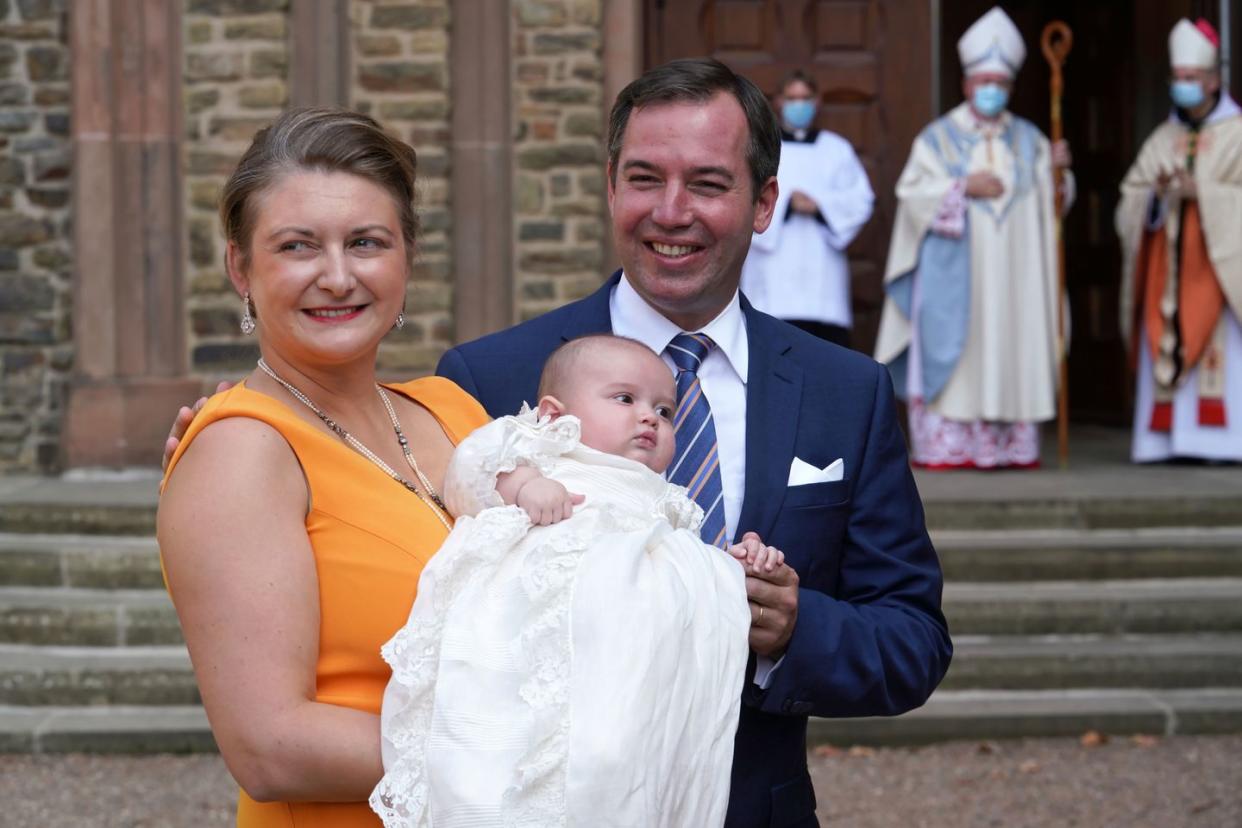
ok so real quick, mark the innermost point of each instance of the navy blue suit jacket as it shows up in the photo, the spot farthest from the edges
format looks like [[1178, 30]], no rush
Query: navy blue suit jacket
[[870, 639]]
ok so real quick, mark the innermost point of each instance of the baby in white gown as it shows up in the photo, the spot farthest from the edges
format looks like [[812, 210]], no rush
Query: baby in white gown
[[583, 673]]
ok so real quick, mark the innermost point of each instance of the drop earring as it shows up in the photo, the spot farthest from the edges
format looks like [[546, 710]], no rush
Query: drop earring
[[400, 320], [247, 320]]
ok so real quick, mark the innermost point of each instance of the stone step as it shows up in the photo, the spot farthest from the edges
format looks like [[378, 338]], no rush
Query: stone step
[[1100, 512], [124, 506], [91, 561], [108, 729], [1095, 554], [81, 502], [120, 562], [1147, 606], [78, 518], [948, 715], [69, 676], [1011, 714], [69, 616], [1063, 662], [32, 675]]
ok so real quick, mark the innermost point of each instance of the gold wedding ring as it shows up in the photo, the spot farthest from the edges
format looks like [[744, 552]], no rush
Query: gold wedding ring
[[759, 620]]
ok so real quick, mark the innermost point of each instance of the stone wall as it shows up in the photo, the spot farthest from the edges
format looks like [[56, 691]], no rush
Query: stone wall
[[237, 57], [236, 60], [401, 78], [36, 350], [559, 193]]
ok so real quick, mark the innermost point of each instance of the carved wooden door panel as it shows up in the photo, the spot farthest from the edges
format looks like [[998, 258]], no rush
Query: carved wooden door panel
[[872, 61]]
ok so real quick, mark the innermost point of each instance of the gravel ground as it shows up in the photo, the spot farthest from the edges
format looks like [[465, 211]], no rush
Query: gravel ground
[[1186, 781], [1132, 782]]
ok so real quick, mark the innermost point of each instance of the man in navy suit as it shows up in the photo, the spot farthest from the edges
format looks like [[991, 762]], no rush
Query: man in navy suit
[[810, 456]]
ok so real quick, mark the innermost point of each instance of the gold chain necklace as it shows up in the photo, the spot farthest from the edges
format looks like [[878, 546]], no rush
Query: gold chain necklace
[[431, 498]]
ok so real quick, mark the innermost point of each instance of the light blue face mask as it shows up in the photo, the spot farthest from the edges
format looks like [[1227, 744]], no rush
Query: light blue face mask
[[1186, 93], [798, 114], [989, 100]]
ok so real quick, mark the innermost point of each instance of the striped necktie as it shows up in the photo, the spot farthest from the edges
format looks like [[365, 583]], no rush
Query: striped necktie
[[696, 463]]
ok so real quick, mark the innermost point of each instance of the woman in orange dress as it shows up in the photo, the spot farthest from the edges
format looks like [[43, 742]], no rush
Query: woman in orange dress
[[302, 504]]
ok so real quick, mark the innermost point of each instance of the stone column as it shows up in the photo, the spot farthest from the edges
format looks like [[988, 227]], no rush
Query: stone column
[[319, 65], [482, 170], [129, 338]]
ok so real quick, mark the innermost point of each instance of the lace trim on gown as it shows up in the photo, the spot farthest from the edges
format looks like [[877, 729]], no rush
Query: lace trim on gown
[[536, 797]]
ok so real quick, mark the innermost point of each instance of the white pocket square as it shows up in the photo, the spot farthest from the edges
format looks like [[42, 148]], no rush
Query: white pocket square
[[802, 473]]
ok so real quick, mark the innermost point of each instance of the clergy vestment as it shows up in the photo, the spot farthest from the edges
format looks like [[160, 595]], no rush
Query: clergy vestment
[[969, 326], [797, 269], [1182, 288]]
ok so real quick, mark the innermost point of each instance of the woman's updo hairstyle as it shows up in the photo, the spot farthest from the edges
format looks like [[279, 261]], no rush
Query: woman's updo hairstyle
[[320, 139]]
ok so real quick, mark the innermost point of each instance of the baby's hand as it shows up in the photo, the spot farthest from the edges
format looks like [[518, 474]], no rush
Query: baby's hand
[[756, 556], [546, 501]]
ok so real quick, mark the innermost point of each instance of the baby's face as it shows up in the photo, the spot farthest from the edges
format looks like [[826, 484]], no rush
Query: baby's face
[[625, 398]]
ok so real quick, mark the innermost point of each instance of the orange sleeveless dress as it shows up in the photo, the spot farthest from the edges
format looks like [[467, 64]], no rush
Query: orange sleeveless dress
[[371, 539]]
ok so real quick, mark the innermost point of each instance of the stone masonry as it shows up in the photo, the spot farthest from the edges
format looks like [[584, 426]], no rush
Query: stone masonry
[[236, 60], [36, 351], [400, 77], [236, 65], [559, 193]]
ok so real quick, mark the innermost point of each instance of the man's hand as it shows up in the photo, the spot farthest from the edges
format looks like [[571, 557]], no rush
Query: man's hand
[[802, 203], [1176, 182], [546, 501], [182, 423], [1061, 156], [773, 596], [1185, 185], [983, 184]]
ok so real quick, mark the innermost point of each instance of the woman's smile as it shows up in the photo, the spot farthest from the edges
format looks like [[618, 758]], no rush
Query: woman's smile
[[331, 315]]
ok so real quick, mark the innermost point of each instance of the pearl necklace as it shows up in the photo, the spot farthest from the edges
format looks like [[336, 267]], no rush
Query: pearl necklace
[[435, 503]]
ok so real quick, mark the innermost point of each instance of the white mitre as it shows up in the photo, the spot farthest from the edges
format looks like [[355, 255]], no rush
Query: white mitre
[[992, 44], [1190, 47]]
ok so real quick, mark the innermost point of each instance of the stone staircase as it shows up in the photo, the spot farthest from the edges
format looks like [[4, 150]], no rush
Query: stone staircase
[[91, 657], [1121, 615], [1069, 613]]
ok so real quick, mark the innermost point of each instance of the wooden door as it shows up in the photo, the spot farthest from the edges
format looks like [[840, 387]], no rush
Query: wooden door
[[871, 59]]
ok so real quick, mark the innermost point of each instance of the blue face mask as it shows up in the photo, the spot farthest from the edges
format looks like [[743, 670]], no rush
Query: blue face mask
[[990, 99], [798, 114], [1186, 93]]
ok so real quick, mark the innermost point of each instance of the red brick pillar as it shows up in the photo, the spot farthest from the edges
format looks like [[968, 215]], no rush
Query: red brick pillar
[[129, 329]]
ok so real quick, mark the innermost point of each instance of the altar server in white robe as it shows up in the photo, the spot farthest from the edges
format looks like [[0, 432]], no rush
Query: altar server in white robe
[[797, 269], [969, 326], [1182, 259]]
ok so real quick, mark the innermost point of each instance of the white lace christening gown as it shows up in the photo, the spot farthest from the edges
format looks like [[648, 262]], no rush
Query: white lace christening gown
[[587, 673]]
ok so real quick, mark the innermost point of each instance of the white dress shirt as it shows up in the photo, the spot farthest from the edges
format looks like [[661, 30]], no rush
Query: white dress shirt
[[723, 378]]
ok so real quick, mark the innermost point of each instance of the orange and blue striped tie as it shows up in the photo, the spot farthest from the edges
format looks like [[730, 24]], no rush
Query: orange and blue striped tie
[[696, 463]]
